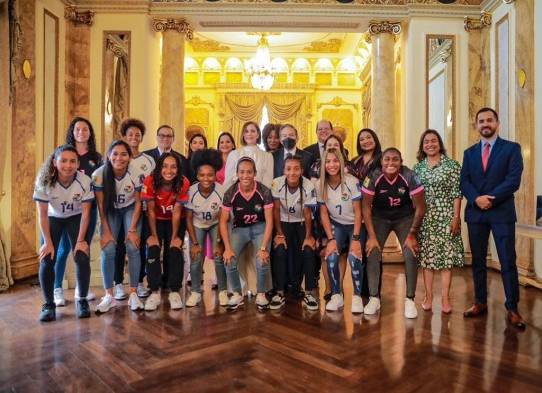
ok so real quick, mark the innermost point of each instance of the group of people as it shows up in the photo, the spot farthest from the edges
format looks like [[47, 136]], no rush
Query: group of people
[[304, 212]]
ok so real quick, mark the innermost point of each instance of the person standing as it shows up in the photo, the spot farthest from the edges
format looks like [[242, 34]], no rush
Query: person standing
[[324, 129], [490, 176], [271, 137], [288, 138], [165, 136], [225, 146]]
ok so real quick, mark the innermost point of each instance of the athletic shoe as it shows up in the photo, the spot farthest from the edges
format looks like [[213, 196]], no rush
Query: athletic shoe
[[153, 301], [90, 295], [357, 305], [223, 298], [277, 302], [235, 301], [119, 292], [106, 304], [310, 302], [373, 306], [262, 302], [175, 301], [335, 303], [193, 299], [59, 297], [82, 308], [327, 297], [410, 309], [142, 291], [134, 303], [48, 312]]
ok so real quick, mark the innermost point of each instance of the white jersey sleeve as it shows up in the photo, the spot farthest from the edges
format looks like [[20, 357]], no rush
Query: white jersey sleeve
[[205, 210], [142, 166], [125, 187], [292, 204]]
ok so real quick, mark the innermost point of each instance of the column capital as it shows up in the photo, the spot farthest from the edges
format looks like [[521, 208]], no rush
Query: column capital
[[477, 23], [79, 17], [379, 27], [180, 25]]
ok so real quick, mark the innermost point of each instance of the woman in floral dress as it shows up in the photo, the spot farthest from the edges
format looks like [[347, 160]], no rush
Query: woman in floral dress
[[441, 246]]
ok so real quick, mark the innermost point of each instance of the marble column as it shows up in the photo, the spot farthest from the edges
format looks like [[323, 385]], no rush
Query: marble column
[[174, 32], [479, 67], [383, 80], [77, 63], [524, 74], [23, 259]]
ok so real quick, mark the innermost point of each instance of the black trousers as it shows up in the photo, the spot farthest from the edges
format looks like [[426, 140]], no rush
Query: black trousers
[[57, 227], [291, 264]]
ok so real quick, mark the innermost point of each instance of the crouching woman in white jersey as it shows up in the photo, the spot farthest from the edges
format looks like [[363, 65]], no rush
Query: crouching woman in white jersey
[[63, 197], [202, 216], [339, 198], [118, 193]]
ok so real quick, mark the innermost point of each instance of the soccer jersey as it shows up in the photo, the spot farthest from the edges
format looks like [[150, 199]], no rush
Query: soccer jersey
[[339, 200], [125, 187], [247, 209], [142, 166], [392, 199], [291, 209], [88, 163], [66, 201], [206, 210], [164, 200]]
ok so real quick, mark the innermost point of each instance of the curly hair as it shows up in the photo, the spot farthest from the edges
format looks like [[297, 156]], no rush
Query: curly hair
[[131, 122], [91, 144], [209, 157], [110, 192], [267, 130], [157, 180], [48, 174]]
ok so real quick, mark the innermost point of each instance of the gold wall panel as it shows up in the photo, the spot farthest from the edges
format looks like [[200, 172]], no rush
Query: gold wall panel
[[343, 121], [323, 78], [191, 78], [197, 117], [234, 77], [301, 77], [210, 78], [346, 79], [281, 77]]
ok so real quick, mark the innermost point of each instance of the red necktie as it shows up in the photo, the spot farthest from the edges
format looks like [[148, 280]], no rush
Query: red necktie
[[485, 155]]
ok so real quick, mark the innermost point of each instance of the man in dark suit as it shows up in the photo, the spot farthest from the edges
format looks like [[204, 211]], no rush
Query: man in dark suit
[[288, 138], [490, 176], [165, 135], [324, 129]]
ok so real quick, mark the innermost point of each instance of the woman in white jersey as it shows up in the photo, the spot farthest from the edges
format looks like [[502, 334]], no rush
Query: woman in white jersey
[[339, 198], [63, 198], [119, 203], [293, 253], [203, 213]]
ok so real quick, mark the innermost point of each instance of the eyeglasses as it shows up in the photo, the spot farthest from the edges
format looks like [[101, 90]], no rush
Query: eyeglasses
[[164, 136]]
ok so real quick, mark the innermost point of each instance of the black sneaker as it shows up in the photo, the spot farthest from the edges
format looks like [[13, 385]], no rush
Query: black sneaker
[[48, 312], [82, 308], [327, 297], [310, 302], [277, 302]]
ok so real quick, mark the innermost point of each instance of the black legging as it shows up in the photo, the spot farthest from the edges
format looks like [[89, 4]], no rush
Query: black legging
[[57, 226]]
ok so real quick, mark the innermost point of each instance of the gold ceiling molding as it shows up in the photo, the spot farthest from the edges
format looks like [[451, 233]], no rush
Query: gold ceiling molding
[[333, 45], [180, 25], [337, 101], [79, 17], [477, 23], [117, 46], [196, 101], [379, 27], [277, 24], [199, 45], [334, 2]]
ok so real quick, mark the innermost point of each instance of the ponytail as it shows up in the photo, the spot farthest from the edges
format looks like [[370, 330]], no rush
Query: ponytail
[[109, 185], [48, 174]]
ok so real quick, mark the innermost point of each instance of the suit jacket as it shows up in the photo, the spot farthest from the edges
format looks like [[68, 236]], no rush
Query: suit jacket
[[501, 179], [185, 164], [278, 161]]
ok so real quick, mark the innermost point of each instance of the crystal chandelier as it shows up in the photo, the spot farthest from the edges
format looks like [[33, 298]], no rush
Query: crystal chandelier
[[259, 67]]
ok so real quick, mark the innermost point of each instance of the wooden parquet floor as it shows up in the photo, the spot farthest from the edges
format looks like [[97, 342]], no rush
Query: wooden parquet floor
[[207, 349]]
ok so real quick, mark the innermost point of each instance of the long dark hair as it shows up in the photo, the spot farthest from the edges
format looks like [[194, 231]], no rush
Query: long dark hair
[[297, 158], [158, 182], [225, 133], [421, 154], [377, 153], [48, 174], [109, 190], [91, 144], [197, 135]]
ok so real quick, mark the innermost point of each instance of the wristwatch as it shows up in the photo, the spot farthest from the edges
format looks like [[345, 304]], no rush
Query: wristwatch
[[355, 237]]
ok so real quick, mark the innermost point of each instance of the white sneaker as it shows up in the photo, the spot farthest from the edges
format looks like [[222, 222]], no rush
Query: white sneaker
[[410, 309], [193, 299], [335, 303], [357, 305], [59, 297], [373, 306], [175, 301], [142, 291], [134, 303], [119, 292], [223, 298], [106, 304], [235, 301], [153, 301], [261, 301], [90, 295]]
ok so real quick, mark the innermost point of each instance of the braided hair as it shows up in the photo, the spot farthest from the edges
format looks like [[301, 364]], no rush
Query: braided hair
[[296, 158]]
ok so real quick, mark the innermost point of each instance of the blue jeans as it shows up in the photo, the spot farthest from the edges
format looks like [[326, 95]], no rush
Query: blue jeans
[[196, 266], [116, 219], [239, 237], [343, 234], [64, 247]]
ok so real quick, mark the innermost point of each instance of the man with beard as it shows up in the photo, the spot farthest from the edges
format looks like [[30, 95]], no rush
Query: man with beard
[[490, 176]]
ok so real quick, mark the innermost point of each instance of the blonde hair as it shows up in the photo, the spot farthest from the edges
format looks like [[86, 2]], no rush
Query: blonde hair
[[324, 175]]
